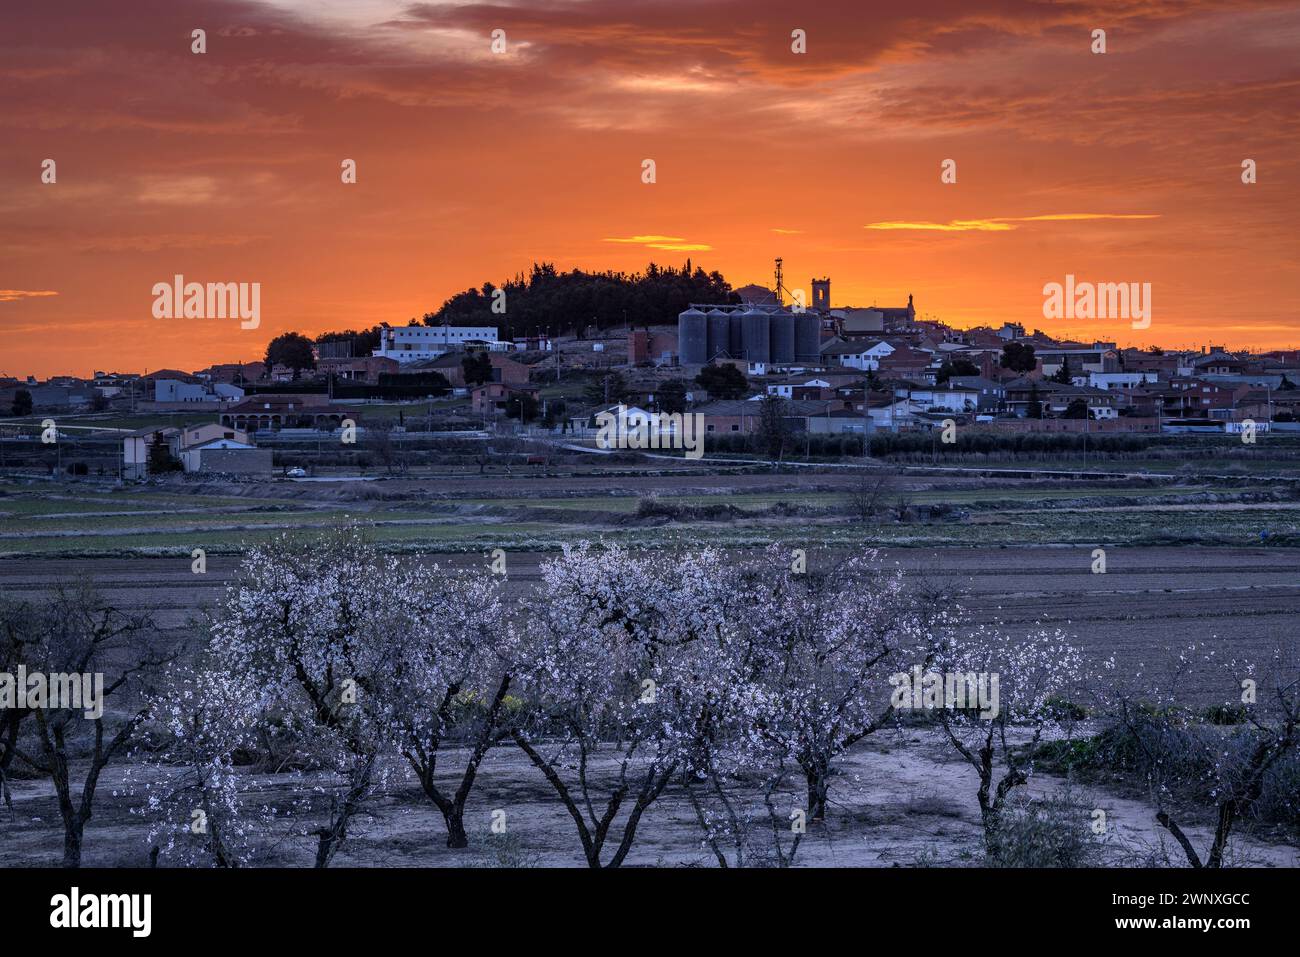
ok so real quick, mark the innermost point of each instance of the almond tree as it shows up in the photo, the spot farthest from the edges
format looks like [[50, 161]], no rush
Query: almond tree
[[615, 675], [725, 769], [1187, 754], [191, 789], [306, 625], [452, 685], [824, 644], [19, 626], [1033, 674], [76, 632]]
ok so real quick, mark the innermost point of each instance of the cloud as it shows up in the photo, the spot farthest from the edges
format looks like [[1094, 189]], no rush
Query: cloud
[[953, 226], [1002, 224], [13, 295], [670, 243], [177, 190]]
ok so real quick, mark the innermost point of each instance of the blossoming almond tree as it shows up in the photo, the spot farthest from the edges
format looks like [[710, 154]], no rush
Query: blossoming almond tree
[[614, 672], [455, 649], [305, 625], [825, 643], [998, 737], [739, 783], [192, 792]]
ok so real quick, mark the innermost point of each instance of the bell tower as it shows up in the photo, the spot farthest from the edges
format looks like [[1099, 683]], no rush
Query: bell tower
[[821, 294]]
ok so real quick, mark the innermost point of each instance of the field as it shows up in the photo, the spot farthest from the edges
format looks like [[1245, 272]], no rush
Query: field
[[671, 506], [1196, 556]]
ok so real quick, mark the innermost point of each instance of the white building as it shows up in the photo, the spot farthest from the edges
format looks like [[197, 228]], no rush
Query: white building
[[953, 397], [1118, 380], [415, 343], [785, 390], [180, 443], [864, 354], [896, 414], [178, 390]]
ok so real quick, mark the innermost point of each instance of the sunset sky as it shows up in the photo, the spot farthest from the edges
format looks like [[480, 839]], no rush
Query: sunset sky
[[225, 166]]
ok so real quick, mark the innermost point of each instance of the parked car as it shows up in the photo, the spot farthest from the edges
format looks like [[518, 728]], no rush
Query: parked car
[[296, 473]]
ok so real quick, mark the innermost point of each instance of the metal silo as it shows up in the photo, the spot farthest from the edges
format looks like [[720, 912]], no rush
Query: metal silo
[[692, 338], [781, 335], [754, 325], [807, 339], [736, 334], [719, 332]]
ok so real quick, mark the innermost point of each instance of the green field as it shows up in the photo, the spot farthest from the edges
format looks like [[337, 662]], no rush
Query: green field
[[229, 531]]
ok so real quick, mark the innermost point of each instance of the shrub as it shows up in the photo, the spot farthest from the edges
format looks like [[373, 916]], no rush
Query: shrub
[[1225, 714], [1065, 710], [1050, 832]]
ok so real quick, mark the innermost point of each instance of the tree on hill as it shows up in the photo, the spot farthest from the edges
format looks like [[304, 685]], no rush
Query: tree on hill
[[364, 342], [1018, 357], [293, 350], [1063, 375], [22, 403], [522, 406], [1035, 407], [547, 300], [161, 459], [608, 389], [773, 430], [958, 367], [477, 367], [723, 382], [671, 396], [1077, 409]]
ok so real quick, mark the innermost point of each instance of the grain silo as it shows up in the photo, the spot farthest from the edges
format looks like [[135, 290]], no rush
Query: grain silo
[[719, 333], [755, 325], [807, 339], [781, 336], [736, 334], [692, 338]]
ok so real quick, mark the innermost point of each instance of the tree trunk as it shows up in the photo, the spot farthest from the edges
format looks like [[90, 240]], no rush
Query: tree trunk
[[1227, 813], [72, 833], [991, 819], [455, 819], [817, 776]]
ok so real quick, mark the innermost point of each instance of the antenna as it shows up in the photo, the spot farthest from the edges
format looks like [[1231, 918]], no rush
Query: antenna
[[780, 284]]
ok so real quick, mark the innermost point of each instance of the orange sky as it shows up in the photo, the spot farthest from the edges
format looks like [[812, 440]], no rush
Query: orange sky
[[224, 167]]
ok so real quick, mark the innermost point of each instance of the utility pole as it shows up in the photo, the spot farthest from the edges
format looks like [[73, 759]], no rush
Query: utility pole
[[866, 415]]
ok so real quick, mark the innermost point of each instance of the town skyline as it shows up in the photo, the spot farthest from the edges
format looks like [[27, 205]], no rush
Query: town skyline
[[1056, 330], [470, 164]]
